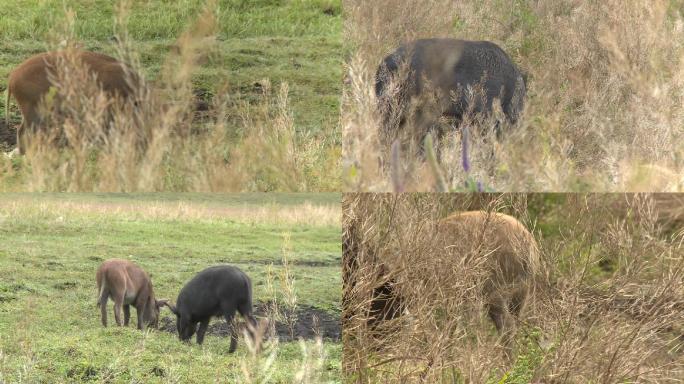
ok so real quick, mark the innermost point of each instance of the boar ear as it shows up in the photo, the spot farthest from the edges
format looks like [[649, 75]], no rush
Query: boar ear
[[165, 302]]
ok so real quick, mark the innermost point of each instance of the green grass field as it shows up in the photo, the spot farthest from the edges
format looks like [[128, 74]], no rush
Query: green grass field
[[50, 327]]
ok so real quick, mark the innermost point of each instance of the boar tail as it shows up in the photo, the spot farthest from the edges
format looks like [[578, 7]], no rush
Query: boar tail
[[102, 287]]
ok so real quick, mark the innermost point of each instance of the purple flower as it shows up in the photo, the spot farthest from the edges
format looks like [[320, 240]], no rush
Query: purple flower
[[465, 138], [395, 167]]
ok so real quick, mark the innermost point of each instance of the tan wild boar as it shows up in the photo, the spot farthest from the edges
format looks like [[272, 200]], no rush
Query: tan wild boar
[[29, 83], [127, 284], [512, 259]]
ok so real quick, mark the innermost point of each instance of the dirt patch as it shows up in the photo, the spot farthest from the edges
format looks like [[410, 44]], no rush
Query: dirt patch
[[8, 137], [64, 285], [310, 323]]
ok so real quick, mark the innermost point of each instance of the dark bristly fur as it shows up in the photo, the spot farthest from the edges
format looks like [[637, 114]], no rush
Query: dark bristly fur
[[432, 78], [216, 291]]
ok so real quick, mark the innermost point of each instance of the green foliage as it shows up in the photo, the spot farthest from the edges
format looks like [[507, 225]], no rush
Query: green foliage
[[527, 360]]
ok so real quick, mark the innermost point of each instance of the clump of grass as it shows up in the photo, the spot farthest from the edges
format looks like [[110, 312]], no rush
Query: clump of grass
[[612, 265], [287, 282], [603, 107], [283, 304], [258, 365], [313, 362]]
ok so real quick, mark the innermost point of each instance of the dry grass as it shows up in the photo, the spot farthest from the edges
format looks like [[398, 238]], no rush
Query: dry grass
[[156, 142], [258, 366], [604, 103], [304, 214], [607, 305]]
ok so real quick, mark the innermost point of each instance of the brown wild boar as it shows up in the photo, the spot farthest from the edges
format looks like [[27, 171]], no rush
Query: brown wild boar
[[127, 284], [29, 83]]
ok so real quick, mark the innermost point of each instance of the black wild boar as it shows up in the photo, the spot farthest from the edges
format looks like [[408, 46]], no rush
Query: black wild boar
[[433, 77], [127, 284], [216, 291]]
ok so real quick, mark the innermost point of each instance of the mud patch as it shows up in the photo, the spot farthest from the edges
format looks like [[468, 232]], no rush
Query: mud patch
[[310, 323], [64, 285], [8, 137]]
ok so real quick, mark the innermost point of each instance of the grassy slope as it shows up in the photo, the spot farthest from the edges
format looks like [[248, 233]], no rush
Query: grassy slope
[[49, 326], [298, 42]]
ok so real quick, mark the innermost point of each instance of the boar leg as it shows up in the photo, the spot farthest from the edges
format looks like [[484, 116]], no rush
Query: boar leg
[[202, 330], [517, 301], [233, 332], [117, 310], [496, 310], [118, 298], [504, 322], [30, 119], [233, 339], [127, 314], [229, 309], [139, 313], [103, 308]]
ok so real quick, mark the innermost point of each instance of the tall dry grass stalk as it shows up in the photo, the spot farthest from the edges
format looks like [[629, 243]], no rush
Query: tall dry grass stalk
[[604, 103], [607, 304], [25, 206], [313, 363], [258, 366], [154, 142], [287, 286]]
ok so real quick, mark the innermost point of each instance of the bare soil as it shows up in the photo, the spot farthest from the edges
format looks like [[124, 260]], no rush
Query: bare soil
[[8, 137], [310, 323]]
